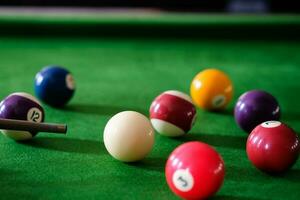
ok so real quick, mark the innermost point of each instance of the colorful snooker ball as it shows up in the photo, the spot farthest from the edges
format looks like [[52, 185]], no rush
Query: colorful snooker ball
[[273, 147], [194, 170], [21, 106], [54, 85], [172, 113], [255, 107], [128, 136], [211, 89]]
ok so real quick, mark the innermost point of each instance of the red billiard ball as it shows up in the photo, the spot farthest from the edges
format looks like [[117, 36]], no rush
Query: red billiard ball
[[172, 113], [273, 147], [194, 170]]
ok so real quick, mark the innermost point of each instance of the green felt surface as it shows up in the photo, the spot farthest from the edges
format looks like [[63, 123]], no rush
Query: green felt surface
[[116, 74]]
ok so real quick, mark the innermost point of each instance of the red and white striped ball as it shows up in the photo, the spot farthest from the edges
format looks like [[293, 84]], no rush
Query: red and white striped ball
[[172, 113]]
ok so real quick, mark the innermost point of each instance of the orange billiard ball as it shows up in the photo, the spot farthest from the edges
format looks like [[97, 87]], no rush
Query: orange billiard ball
[[211, 89]]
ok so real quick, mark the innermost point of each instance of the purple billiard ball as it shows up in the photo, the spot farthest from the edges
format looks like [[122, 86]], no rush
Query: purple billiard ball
[[254, 107], [21, 106]]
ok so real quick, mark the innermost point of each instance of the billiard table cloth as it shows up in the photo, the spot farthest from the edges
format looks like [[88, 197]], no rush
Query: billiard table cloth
[[122, 61]]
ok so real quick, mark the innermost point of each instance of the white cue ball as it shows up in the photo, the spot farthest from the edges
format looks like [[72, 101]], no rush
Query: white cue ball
[[128, 136]]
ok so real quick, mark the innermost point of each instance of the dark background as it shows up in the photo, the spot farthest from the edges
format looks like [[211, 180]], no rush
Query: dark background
[[283, 6]]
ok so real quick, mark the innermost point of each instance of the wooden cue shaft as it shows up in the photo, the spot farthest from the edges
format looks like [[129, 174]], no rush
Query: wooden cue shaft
[[22, 125]]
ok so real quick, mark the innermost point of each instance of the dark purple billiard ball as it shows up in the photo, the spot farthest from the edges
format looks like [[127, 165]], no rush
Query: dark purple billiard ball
[[21, 106], [254, 107]]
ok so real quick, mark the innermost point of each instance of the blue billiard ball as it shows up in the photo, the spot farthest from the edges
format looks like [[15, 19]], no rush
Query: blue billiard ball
[[54, 85], [21, 106]]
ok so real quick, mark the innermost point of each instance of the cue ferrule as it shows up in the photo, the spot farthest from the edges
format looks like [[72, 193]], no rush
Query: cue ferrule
[[22, 125]]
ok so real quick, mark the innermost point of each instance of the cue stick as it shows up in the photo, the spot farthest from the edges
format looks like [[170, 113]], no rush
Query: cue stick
[[23, 125]]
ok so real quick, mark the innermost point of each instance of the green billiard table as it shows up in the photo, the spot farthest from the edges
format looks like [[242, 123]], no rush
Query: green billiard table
[[122, 61]]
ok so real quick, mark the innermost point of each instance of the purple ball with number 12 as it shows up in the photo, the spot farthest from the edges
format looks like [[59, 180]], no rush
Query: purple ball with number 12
[[21, 106]]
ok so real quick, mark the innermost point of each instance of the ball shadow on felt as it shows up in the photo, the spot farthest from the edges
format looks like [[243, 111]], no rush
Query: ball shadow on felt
[[100, 109], [227, 141], [71, 145]]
